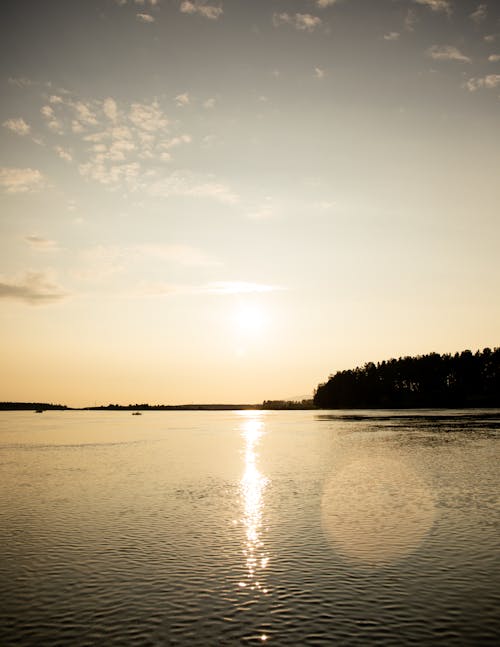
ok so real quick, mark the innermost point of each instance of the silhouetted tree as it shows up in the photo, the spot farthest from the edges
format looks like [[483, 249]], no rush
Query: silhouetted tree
[[460, 380]]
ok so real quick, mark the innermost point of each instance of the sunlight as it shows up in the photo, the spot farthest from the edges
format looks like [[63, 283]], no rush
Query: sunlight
[[249, 319], [253, 484]]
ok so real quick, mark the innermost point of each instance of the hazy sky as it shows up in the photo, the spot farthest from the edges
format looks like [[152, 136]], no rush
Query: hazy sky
[[227, 201]]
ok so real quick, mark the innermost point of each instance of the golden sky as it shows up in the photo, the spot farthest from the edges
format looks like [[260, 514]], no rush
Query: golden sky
[[228, 201]]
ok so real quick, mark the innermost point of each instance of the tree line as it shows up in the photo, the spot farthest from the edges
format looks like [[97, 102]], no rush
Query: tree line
[[464, 379], [31, 406]]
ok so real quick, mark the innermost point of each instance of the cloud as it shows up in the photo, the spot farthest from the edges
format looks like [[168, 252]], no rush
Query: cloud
[[140, 3], [20, 180], [179, 254], [145, 17], [176, 141], [182, 100], [113, 175], [21, 82], [63, 154], [489, 82], [148, 117], [110, 109], [54, 124], [323, 4], [410, 20], [209, 103], [301, 21], [84, 113], [41, 244], [237, 287], [324, 205], [186, 184], [479, 14], [447, 53], [18, 126], [494, 58], [34, 288], [319, 73], [199, 7], [218, 288], [490, 38], [122, 146], [102, 261], [392, 35], [439, 6], [264, 211]]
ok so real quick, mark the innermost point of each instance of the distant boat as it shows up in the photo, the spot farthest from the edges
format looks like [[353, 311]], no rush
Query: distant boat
[[39, 411], [137, 413]]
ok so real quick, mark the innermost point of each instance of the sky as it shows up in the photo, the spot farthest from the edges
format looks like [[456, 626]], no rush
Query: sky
[[228, 201]]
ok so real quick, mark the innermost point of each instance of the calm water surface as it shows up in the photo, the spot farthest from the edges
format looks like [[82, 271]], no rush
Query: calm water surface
[[223, 528]]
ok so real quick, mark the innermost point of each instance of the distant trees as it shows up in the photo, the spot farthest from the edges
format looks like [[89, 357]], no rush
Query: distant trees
[[31, 406], [464, 379], [287, 404]]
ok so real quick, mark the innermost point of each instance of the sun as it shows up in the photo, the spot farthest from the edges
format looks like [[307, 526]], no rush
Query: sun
[[249, 319]]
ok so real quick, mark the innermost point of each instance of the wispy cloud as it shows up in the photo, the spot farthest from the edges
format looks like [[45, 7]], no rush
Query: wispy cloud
[[319, 73], [392, 35], [479, 15], [439, 6], [148, 117], [41, 244], [211, 12], [21, 180], [209, 103], [145, 17], [182, 100], [63, 153], [120, 145], [54, 124], [187, 184], [300, 21], [489, 82], [238, 287], [100, 262], [179, 254], [264, 211], [494, 58], [34, 288], [18, 126], [323, 4], [21, 82], [447, 53], [110, 109], [140, 3], [324, 205], [217, 288], [410, 20]]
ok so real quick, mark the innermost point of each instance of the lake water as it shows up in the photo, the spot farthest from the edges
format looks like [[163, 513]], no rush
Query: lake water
[[224, 528]]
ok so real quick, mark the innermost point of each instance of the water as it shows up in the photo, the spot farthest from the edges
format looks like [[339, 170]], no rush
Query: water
[[223, 528]]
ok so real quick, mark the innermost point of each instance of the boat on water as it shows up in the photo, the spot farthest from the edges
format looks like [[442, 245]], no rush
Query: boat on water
[[137, 413], [39, 411]]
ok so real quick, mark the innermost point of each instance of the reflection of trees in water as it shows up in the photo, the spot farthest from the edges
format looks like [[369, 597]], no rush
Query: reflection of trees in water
[[433, 380]]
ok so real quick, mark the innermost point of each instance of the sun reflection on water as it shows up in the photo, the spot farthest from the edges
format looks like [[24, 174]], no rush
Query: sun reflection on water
[[253, 484]]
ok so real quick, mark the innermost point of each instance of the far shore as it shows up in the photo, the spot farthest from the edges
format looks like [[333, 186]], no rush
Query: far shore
[[279, 405]]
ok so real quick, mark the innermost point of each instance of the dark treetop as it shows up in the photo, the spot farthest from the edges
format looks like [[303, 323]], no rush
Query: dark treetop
[[460, 380]]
